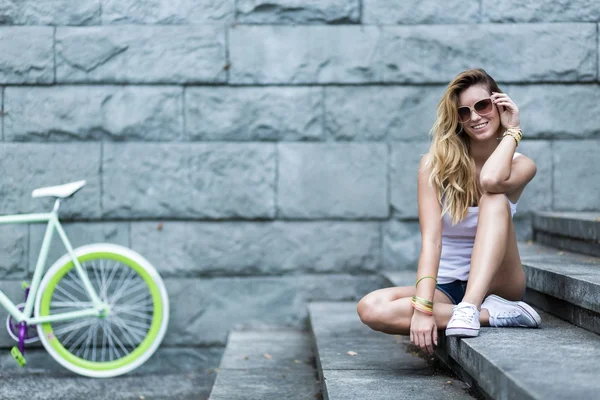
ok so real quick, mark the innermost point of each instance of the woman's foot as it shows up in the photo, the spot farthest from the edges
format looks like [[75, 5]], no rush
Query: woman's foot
[[511, 313], [464, 321]]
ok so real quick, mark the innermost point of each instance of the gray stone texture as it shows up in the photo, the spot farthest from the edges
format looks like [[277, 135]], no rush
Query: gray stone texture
[[27, 55], [302, 54], [269, 113], [67, 113], [141, 54], [297, 383], [166, 360], [333, 180], [50, 12], [380, 112], [14, 247], [166, 11], [190, 386], [509, 52], [258, 248], [575, 173], [567, 276], [34, 165], [261, 365], [388, 12], [559, 361], [540, 11], [286, 348], [566, 243], [221, 180], [404, 168], [79, 234], [297, 11], [537, 195], [383, 367], [415, 54], [207, 309], [566, 103], [401, 245], [581, 225], [584, 318]]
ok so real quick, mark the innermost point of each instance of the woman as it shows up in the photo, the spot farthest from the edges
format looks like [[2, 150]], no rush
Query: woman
[[468, 188]]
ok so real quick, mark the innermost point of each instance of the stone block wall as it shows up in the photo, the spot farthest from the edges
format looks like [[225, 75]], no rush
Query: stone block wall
[[262, 154]]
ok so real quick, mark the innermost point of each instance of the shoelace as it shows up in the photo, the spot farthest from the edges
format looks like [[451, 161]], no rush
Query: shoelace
[[464, 313], [507, 318]]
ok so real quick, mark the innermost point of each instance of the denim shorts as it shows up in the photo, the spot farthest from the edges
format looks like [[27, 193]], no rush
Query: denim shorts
[[455, 290]]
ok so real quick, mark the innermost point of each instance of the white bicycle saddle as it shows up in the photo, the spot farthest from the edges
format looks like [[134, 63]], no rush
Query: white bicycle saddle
[[62, 191]]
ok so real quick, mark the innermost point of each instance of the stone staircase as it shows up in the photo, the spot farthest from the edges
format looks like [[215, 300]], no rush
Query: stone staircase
[[559, 361]]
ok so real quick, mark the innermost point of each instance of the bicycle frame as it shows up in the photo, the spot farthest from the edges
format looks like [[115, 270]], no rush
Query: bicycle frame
[[53, 224]]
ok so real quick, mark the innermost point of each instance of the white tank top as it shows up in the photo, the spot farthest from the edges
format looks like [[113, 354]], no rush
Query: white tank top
[[457, 244]]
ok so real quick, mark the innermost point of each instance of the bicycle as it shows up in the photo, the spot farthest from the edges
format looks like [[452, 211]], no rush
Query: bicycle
[[101, 310]]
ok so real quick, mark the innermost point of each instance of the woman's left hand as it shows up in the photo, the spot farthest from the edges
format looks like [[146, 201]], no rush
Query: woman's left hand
[[508, 110]]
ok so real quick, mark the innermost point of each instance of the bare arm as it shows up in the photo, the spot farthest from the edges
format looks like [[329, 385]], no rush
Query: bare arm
[[430, 212], [503, 174]]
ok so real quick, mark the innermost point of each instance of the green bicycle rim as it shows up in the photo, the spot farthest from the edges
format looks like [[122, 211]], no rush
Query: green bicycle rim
[[103, 365]]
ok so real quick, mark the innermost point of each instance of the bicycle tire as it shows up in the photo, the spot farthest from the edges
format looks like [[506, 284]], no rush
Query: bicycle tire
[[110, 267]]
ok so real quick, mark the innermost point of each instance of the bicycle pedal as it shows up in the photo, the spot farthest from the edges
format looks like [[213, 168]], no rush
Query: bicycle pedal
[[18, 356]]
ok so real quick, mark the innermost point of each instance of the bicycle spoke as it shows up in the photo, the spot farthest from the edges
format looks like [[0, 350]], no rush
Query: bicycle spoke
[[104, 342], [72, 286], [136, 314], [119, 322], [79, 340], [88, 341], [134, 323], [103, 276], [72, 327], [127, 336], [140, 299], [116, 339], [129, 289], [120, 287], [123, 307], [112, 347], [69, 295]]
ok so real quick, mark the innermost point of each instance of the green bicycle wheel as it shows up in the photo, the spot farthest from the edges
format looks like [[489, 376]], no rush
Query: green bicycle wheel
[[127, 335]]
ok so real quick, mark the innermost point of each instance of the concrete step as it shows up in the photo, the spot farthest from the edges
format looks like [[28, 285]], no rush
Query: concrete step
[[574, 231], [171, 373], [355, 362], [563, 283], [267, 365], [557, 361]]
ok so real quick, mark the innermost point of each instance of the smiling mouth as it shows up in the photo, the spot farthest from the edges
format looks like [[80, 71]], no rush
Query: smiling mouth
[[479, 126]]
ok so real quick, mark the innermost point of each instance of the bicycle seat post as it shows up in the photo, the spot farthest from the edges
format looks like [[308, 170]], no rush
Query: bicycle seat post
[[56, 205]]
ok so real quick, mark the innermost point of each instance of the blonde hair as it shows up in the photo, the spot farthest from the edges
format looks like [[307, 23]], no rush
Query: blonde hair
[[452, 167]]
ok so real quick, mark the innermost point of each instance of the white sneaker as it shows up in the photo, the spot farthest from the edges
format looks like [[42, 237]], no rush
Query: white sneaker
[[464, 321], [511, 313]]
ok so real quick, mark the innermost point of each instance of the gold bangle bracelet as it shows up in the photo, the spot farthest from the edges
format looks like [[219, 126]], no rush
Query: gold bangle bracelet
[[425, 277]]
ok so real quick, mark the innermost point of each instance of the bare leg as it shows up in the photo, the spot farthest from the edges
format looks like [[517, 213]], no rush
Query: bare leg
[[495, 262], [390, 310]]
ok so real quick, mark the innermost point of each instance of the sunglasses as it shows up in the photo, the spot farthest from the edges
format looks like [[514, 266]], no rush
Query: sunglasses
[[482, 107]]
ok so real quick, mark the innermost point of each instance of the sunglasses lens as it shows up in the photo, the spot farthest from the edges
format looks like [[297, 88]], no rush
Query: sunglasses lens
[[464, 114], [483, 106]]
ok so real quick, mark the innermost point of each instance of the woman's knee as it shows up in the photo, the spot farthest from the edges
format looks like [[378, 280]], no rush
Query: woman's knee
[[375, 312], [369, 310]]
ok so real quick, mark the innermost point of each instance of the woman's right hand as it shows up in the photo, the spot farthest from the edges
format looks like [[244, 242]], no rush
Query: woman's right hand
[[423, 331]]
